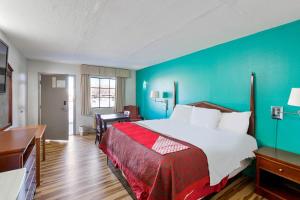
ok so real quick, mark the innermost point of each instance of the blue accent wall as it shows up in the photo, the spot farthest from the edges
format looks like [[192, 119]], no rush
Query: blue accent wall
[[221, 75]]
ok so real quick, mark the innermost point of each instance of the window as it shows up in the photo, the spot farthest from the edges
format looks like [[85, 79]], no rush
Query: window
[[102, 92]]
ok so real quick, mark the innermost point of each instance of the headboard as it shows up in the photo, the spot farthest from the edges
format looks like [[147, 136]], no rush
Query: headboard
[[204, 104]]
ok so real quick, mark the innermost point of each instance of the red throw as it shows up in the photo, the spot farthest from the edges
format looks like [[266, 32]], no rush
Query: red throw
[[152, 176], [138, 133]]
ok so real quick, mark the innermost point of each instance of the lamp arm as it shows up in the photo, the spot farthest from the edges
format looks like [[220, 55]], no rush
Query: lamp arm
[[292, 113], [161, 101], [164, 101]]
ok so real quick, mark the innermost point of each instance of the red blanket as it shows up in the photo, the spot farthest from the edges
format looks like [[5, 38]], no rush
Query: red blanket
[[152, 176]]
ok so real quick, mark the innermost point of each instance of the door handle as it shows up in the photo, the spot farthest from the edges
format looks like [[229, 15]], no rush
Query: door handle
[[65, 106]]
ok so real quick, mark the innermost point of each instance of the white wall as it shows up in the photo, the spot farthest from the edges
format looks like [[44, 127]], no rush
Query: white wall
[[35, 67], [19, 63]]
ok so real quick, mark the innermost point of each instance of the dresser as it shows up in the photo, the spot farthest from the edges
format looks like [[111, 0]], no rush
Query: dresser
[[18, 150], [277, 174]]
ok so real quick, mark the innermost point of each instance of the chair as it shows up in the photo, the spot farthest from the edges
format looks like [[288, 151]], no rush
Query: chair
[[99, 128], [133, 112]]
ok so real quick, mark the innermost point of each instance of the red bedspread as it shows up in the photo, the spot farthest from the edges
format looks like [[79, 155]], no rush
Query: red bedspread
[[152, 176]]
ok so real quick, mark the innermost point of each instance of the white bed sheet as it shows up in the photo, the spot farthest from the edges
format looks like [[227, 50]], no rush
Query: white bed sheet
[[224, 150], [244, 164]]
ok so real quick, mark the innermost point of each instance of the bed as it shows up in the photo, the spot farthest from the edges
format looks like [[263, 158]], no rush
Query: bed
[[173, 159]]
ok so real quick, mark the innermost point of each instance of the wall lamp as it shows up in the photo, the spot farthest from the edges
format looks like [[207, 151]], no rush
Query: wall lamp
[[155, 95], [294, 100]]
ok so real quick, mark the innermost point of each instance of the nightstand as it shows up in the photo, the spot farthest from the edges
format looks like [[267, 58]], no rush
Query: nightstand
[[277, 174]]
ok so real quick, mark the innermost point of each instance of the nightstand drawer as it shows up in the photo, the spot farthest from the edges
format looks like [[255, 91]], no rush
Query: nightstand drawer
[[280, 169]]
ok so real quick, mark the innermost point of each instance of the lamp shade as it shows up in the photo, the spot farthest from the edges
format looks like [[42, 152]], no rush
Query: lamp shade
[[154, 94], [294, 99]]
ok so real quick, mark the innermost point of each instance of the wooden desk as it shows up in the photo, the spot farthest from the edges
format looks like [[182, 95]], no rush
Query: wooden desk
[[18, 150], [113, 118], [39, 131]]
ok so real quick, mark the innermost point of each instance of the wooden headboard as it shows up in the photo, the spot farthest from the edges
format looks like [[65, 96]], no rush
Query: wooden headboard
[[205, 104]]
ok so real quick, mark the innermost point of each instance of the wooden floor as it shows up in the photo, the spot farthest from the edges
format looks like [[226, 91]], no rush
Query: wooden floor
[[77, 169]]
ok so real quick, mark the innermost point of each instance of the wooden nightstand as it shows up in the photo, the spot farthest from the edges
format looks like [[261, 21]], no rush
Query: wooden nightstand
[[277, 174]]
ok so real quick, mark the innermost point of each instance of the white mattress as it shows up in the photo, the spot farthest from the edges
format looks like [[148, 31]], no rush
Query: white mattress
[[224, 150], [244, 164]]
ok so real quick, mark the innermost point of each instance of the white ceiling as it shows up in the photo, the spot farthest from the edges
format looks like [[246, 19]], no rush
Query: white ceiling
[[134, 33]]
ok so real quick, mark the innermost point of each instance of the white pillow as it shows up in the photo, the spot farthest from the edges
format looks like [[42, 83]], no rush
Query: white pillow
[[205, 117], [237, 122], [182, 113]]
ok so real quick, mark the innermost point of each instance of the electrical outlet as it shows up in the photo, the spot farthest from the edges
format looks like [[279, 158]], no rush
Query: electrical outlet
[[277, 112]]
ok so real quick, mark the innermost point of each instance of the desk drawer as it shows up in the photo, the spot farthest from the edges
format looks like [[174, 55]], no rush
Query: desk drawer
[[28, 188], [30, 179], [31, 188], [283, 170], [31, 159]]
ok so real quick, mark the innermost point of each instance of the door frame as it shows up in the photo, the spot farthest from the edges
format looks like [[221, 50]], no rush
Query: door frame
[[40, 93]]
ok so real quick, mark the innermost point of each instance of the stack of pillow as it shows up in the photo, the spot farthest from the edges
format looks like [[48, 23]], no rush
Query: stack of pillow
[[236, 122]]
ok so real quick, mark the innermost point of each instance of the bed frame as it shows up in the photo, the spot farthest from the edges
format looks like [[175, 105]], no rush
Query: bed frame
[[202, 104], [205, 104]]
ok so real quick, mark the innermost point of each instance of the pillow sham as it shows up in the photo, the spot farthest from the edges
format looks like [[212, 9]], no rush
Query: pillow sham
[[236, 122], [182, 113], [205, 117]]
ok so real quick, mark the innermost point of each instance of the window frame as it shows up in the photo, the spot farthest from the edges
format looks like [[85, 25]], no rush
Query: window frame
[[9, 91], [109, 97]]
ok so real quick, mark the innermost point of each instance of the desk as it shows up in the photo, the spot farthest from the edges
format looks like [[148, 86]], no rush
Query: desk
[[11, 183], [18, 150], [39, 131], [113, 118]]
